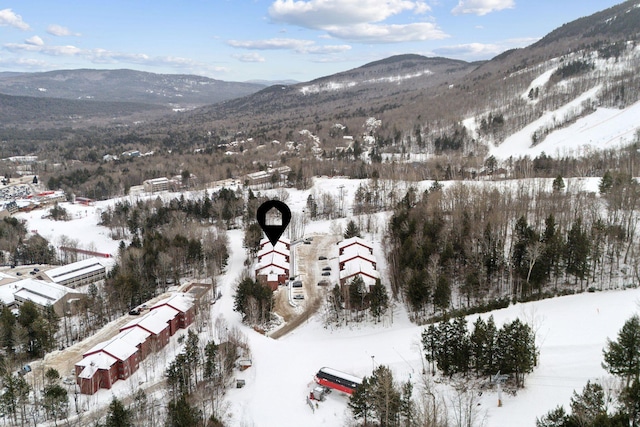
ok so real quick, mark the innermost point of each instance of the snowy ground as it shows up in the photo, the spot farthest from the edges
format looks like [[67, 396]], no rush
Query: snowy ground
[[571, 334]]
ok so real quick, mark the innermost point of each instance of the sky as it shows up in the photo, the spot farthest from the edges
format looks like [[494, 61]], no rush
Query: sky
[[242, 40]]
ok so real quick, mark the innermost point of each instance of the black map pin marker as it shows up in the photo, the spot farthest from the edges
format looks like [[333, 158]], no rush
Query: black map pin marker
[[271, 223]]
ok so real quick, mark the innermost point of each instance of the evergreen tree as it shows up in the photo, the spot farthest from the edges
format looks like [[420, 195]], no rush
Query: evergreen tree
[[587, 407], [554, 418], [181, 414], [352, 230], [361, 402], [479, 346], [118, 415], [606, 183], [622, 357], [386, 397], [442, 293], [558, 184], [517, 352], [379, 300], [407, 405], [357, 293], [577, 251], [55, 401]]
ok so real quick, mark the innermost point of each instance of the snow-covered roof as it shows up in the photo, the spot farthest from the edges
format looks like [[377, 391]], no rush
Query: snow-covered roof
[[154, 321], [65, 272], [354, 241], [274, 259], [180, 301], [340, 374], [94, 362], [134, 336], [356, 252], [6, 294], [359, 267], [115, 347], [279, 249], [270, 269], [40, 292]]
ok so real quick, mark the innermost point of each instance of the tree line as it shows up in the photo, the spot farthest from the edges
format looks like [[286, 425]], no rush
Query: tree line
[[465, 246]]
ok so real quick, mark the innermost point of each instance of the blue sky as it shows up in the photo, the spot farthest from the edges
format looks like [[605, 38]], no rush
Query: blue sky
[[239, 40]]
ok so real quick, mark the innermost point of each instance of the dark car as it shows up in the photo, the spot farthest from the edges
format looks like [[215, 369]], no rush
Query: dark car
[[326, 273], [36, 269], [135, 312], [297, 284], [323, 282], [327, 268], [322, 257]]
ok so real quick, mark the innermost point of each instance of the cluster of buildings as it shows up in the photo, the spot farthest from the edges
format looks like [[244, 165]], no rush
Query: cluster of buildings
[[355, 258], [157, 185], [56, 287], [263, 179], [273, 265], [118, 358]]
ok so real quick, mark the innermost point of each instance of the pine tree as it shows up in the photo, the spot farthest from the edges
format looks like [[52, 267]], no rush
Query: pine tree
[[181, 414], [622, 357], [577, 251], [588, 406], [379, 300], [118, 415], [361, 402], [558, 184], [385, 396], [554, 418], [352, 230], [606, 182], [442, 293]]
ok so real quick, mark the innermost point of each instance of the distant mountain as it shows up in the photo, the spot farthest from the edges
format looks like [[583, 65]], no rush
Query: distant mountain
[[175, 90], [367, 90], [34, 112], [431, 95], [273, 82]]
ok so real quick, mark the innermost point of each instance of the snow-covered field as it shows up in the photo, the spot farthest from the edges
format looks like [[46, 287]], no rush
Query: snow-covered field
[[571, 332]]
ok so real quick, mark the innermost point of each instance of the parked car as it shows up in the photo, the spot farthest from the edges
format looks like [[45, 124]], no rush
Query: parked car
[[326, 273], [327, 268], [322, 257], [323, 282], [297, 284], [36, 269], [298, 296], [135, 312]]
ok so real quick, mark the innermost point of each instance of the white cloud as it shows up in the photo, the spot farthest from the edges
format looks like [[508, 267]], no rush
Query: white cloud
[[9, 19], [296, 45], [481, 7], [475, 50], [479, 51], [368, 33], [250, 57], [35, 40], [59, 30], [103, 56], [357, 20]]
